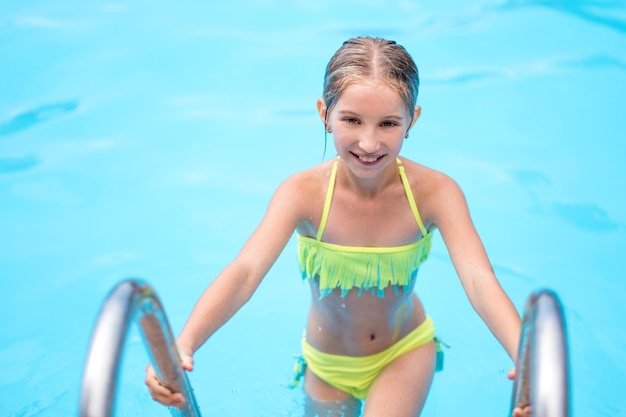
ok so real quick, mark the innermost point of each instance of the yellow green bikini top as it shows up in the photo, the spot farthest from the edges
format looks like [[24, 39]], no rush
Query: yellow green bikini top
[[366, 268]]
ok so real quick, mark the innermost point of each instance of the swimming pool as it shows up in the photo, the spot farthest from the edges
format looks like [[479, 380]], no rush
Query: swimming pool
[[117, 120]]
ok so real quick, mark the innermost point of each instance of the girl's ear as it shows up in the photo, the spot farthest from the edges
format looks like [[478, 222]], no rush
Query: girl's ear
[[321, 108], [417, 112]]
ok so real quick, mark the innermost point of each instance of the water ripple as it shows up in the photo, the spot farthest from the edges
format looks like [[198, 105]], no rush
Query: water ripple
[[611, 13], [461, 76], [531, 178], [586, 216], [17, 164], [596, 62], [32, 117]]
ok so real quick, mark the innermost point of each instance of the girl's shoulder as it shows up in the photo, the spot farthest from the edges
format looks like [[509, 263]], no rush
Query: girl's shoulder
[[434, 191], [311, 179], [309, 186], [427, 180]]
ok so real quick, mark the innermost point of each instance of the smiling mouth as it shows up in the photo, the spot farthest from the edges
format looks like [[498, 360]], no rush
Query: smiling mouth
[[368, 159]]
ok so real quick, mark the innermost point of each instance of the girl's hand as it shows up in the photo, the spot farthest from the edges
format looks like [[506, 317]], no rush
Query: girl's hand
[[161, 393], [522, 410]]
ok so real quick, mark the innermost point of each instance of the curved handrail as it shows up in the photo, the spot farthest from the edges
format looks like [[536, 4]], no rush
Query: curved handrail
[[542, 376], [131, 299]]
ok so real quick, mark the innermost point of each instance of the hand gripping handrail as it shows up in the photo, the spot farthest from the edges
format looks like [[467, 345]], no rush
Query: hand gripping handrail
[[542, 376], [131, 300]]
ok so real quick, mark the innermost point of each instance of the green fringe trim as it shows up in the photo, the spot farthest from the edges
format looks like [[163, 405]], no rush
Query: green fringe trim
[[366, 268]]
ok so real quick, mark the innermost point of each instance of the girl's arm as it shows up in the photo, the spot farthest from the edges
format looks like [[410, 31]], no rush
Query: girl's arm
[[473, 267], [234, 286]]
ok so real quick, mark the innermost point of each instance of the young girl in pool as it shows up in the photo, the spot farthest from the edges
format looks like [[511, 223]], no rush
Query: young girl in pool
[[364, 224]]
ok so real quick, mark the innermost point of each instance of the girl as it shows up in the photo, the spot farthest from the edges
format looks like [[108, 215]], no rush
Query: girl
[[364, 224]]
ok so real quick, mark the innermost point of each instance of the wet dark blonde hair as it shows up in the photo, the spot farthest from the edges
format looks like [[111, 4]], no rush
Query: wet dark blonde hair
[[367, 58]]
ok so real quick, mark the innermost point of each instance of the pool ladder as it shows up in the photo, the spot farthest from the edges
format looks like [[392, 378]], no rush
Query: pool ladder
[[131, 300], [542, 376]]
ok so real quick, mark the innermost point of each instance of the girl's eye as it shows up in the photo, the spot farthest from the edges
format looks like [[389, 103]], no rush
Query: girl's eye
[[351, 120], [389, 124]]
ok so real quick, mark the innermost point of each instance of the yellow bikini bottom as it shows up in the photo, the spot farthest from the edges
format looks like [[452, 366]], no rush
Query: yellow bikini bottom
[[355, 374]]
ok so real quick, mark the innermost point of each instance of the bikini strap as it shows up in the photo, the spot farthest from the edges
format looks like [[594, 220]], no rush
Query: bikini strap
[[409, 196], [329, 197]]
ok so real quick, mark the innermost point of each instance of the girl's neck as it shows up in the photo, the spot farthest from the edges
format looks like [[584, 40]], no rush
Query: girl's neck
[[367, 188]]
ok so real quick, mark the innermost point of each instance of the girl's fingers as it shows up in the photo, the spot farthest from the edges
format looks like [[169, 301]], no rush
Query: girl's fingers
[[160, 392], [187, 363], [511, 374]]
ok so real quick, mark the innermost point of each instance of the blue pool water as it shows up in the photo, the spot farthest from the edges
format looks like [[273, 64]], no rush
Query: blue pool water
[[142, 139]]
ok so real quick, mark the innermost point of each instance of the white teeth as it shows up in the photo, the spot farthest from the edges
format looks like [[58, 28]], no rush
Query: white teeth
[[368, 158]]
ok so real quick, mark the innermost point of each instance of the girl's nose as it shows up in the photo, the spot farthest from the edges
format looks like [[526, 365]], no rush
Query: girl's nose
[[368, 142]]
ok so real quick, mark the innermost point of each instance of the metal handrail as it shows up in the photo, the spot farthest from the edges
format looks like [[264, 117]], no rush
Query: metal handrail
[[131, 300], [542, 375]]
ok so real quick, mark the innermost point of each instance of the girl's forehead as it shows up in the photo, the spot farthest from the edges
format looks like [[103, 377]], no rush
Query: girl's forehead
[[372, 84], [371, 94]]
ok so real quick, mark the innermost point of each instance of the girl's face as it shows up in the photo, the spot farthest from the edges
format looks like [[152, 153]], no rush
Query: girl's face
[[369, 123]]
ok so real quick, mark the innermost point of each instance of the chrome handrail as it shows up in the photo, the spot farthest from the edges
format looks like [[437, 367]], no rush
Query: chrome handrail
[[131, 300], [542, 375]]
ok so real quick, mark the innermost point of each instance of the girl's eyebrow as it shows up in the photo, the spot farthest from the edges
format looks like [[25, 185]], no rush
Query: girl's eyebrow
[[351, 113]]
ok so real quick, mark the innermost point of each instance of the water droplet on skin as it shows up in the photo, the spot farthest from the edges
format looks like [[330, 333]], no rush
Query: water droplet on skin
[[343, 305], [319, 328]]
